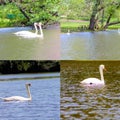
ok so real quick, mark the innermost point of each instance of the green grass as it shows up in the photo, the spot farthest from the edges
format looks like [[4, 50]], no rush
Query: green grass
[[73, 26], [114, 26], [79, 26]]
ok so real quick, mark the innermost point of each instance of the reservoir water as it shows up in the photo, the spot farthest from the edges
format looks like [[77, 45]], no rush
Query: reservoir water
[[45, 104]]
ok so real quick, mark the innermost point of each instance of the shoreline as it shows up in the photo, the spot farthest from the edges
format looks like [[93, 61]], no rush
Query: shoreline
[[9, 77]]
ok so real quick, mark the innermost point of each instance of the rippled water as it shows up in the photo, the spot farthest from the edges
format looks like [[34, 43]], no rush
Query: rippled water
[[13, 47], [89, 103], [45, 104], [102, 45]]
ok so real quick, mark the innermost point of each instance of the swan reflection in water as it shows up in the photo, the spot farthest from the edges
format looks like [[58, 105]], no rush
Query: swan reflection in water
[[20, 98], [28, 34]]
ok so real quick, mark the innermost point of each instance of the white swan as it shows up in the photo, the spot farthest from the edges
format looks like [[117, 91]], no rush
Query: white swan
[[28, 34], [68, 33], [95, 81], [119, 31], [19, 98]]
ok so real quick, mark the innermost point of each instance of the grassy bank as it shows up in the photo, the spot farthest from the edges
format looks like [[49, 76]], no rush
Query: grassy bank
[[77, 26], [74, 26]]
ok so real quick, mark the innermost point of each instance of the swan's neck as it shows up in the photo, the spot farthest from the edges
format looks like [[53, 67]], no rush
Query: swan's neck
[[36, 30], [101, 74], [41, 32], [28, 91]]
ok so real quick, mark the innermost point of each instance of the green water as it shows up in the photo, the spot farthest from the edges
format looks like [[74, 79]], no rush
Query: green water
[[89, 103], [13, 47]]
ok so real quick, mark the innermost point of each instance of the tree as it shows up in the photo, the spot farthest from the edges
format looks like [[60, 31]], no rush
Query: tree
[[23, 66], [36, 10], [109, 11], [100, 13], [94, 17]]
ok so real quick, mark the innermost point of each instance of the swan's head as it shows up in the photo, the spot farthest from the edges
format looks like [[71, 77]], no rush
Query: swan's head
[[28, 84], [37, 24], [40, 23], [102, 67]]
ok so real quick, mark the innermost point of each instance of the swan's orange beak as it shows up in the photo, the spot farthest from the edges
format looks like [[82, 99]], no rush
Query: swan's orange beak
[[105, 69]]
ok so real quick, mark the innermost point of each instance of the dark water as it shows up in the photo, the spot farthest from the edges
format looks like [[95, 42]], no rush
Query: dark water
[[89, 103], [103, 45], [45, 104], [13, 47]]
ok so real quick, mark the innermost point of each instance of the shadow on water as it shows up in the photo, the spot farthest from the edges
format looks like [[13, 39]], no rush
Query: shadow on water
[[45, 102], [102, 45], [14, 47], [78, 102]]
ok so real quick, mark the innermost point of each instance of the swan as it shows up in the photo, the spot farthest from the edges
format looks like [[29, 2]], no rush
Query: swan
[[119, 31], [28, 34], [19, 98], [68, 33], [95, 81]]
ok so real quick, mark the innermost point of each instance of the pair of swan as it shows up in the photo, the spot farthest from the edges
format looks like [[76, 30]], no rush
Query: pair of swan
[[28, 34], [19, 98], [95, 81]]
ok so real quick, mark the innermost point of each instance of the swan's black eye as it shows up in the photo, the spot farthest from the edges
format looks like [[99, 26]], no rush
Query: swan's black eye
[[90, 83], [28, 84]]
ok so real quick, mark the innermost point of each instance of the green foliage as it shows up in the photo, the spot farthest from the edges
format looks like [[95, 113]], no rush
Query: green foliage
[[72, 9], [101, 12], [10, 67], [27, 12], [10, 15]]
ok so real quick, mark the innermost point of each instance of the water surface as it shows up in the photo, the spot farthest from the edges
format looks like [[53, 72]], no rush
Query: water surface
[[102, 45], [89, 103], [45, 104], [14, 47]]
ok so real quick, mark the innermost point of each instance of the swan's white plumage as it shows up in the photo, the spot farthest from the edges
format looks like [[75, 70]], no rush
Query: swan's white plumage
[[16, 98], [27, 34], [91, 81], [95, 81], [119, 31], [19, 98], [68, 33]]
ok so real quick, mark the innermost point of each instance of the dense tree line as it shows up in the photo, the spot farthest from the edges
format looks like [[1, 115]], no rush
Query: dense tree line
[[10, 67], [29, 11], [100, 13]]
